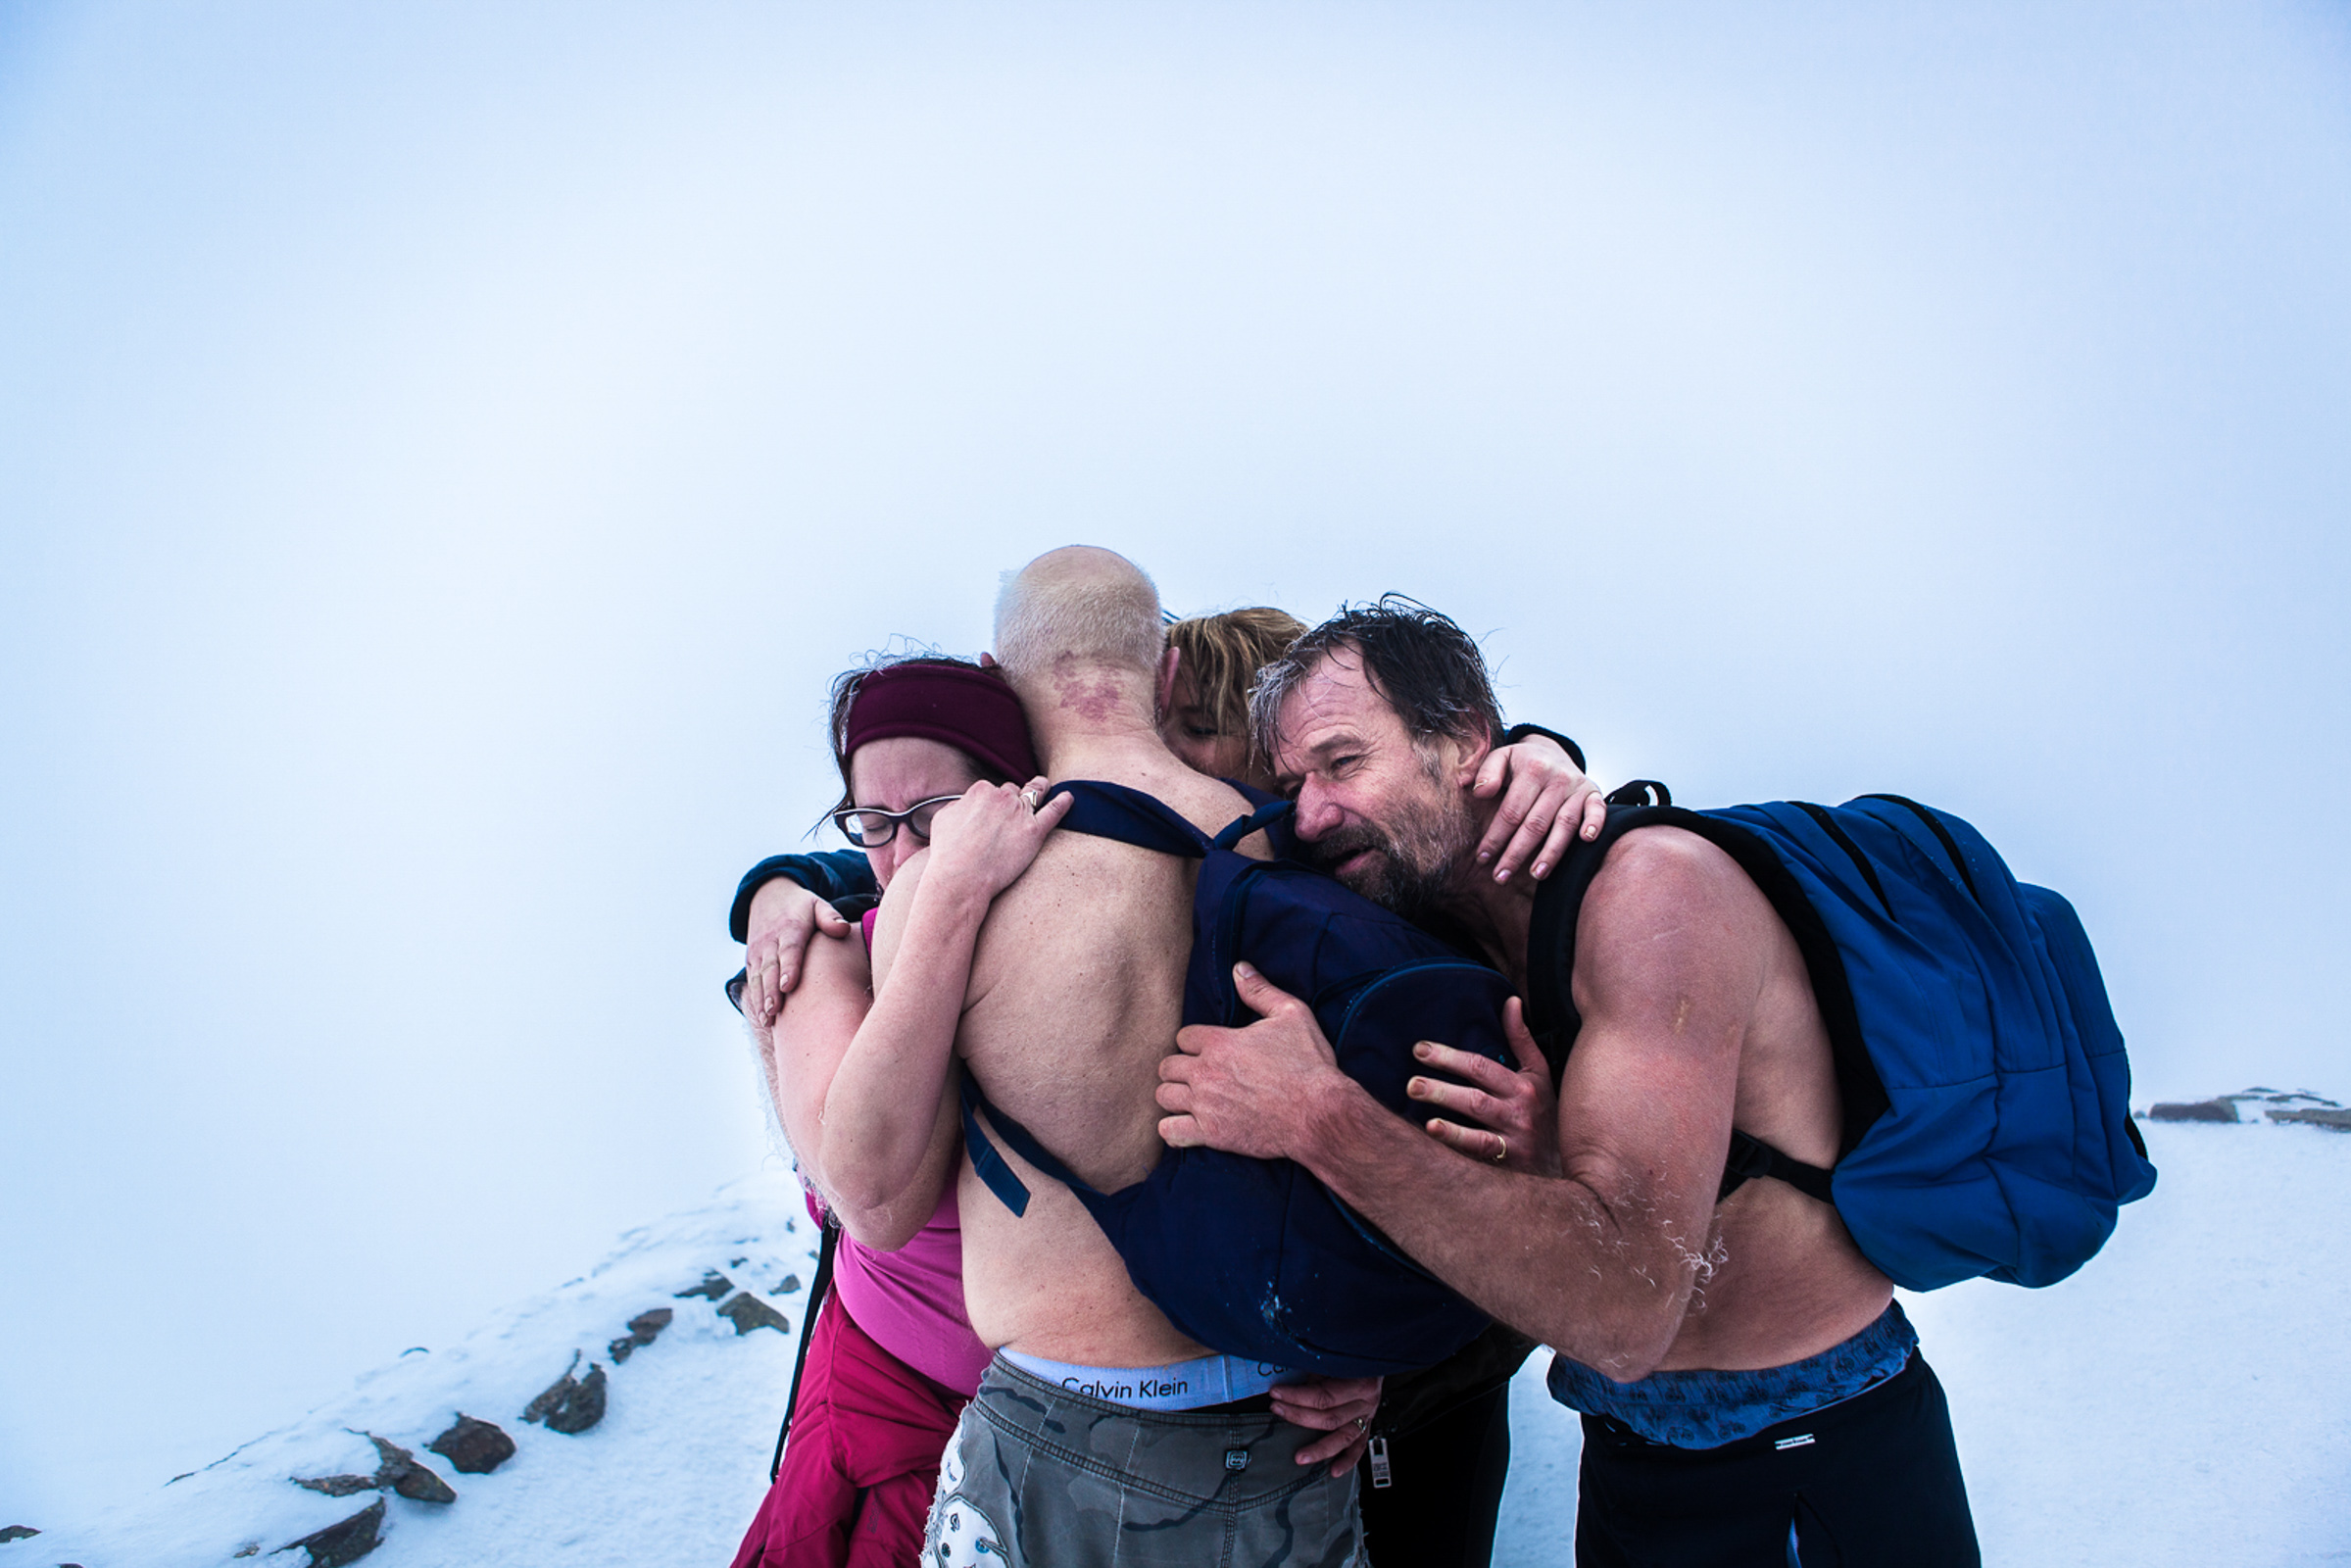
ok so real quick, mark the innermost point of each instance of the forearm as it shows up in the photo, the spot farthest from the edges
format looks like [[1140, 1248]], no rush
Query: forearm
[[831, 876], [1549, 1256], [881, 1147]]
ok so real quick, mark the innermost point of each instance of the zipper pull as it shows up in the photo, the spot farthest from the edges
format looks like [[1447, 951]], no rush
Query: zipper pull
[[1380, 1475]]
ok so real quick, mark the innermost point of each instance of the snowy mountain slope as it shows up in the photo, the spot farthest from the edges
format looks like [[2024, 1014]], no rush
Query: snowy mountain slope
[[672, 1474], [2182, 1400]]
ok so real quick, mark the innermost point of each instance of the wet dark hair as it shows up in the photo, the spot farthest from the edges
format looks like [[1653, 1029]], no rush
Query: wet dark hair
[[846, 686], [1425, 665]]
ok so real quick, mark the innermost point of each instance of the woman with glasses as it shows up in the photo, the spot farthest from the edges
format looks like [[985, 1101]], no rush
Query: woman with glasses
[[891, 1356]]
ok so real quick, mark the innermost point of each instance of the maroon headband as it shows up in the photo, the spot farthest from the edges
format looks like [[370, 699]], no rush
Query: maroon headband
[[970, 708]]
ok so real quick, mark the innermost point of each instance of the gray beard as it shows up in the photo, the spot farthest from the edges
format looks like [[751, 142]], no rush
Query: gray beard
[[1415, 868]]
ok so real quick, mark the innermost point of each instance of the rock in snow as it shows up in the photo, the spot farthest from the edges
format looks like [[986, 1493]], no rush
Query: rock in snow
[[570, 1405], [396, 1470], [2176, 1402], [642, 1331], [746, 1312], [473, 1448], [347, 1540]]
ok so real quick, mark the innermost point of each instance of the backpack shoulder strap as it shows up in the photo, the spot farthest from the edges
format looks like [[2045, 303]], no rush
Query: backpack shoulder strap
[[825, 1252], [989, 1166], [1114, 812], [1552, 1014]]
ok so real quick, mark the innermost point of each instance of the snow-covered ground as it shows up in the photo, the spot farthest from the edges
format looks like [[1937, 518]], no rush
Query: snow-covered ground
[[2185, 1400]]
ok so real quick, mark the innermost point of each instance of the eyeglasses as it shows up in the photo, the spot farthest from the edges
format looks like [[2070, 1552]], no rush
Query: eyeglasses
[[869, 827]]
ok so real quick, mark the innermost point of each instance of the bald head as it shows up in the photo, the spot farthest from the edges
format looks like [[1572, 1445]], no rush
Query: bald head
[[1078, 610]]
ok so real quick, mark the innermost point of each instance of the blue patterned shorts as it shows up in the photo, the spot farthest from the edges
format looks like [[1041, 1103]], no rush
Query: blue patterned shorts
[[1705, 1409]]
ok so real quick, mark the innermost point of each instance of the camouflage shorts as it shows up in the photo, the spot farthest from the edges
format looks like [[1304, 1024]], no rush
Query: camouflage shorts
[[1041, 1477]]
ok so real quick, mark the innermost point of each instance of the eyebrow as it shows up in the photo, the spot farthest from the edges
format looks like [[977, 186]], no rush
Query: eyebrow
[[1335, 741]]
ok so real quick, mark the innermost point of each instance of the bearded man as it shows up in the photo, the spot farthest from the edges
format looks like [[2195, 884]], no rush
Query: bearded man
[[1751, 1392]]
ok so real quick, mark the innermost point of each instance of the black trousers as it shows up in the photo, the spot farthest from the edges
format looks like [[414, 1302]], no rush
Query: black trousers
[[1440, 1510], [1874, 1480]]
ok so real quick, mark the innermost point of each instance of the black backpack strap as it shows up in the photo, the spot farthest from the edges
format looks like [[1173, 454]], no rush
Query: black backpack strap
[[1115, 811], [807, 1331], [990, 1165], [1257, 822], [1552, 1014], [1753, 1159]]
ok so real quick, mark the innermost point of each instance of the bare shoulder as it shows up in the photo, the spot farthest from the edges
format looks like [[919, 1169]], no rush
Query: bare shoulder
[[1667, 867], [1670, 912]]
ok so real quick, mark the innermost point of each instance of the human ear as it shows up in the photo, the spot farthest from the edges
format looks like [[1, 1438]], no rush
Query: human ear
[[1468, 756], [1167, 677]]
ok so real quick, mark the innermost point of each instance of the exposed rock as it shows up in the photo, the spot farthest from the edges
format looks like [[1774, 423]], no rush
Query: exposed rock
[[554, 1395], [395, 1468], [643, 1329], [791, 1283], [250, 1548], [403, 1474], [16, 1533], [746, 1311], [347, 1542], [2194, 1111], [571, 1405], [2278, 1104], [584, 1408], [473, 1448], [338, 1485], [2339, 1120], [713, 1285]]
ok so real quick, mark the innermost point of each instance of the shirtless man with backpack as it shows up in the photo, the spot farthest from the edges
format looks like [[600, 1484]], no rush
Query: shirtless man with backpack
[[1101, 1434], [1751, 1393]]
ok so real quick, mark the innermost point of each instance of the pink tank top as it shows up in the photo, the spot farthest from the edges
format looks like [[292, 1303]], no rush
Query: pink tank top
[[910, 1302]]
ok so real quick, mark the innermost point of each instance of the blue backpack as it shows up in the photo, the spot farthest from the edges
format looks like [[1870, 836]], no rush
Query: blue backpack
[[1256, 1257], [1985, 1095]]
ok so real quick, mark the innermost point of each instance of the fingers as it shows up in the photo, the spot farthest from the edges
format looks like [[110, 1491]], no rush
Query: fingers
[[1341, 1399], [792, 948], [1483, 1071], [1261, 995], [1335, 1447], [1528, 836], [1508, 819], [1050, 814], [1594, 813], [831, 921], [1491, 773], [1180, 1132], [1191, 1041], [1523, 1045], [1475, 1141], [1557, 843], [1343, 1407], [1470, 1104]]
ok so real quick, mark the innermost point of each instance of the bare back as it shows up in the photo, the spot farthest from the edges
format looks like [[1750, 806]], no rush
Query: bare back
[[1076, 994]]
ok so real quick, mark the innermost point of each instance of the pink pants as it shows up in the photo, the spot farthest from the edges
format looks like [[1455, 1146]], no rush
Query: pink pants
[[862, 1459]]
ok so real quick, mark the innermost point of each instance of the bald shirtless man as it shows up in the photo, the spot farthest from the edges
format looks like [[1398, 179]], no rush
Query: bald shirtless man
[[1100, 1435], [1751, 1395]]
